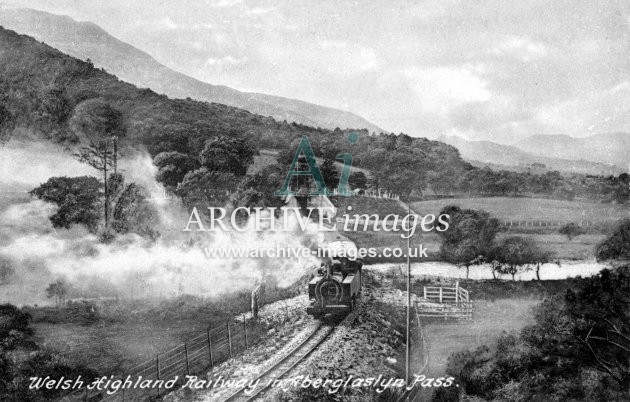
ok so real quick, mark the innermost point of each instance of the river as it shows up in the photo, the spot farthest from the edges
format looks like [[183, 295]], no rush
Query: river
[[566, 269]]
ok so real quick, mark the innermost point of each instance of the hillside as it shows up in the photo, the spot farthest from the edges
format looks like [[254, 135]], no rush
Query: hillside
[[602, 148], [43, 89], [488, 152], [85, 40]]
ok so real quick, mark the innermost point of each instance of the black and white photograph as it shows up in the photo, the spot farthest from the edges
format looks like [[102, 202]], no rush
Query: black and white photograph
[[314, 200]]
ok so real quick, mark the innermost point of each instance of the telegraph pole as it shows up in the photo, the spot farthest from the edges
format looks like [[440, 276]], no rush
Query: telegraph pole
[[407, 355]]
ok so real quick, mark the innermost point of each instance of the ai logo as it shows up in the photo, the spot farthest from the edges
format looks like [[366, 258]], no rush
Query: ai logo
[[304, 148]]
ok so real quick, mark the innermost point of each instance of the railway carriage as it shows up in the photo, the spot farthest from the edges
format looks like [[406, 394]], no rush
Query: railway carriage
[[337, 285]]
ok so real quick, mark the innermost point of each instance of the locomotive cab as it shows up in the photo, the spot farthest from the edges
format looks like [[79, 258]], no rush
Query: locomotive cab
[[336, 287]]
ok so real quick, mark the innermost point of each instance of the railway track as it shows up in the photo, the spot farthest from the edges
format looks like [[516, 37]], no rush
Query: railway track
[[285, 365]]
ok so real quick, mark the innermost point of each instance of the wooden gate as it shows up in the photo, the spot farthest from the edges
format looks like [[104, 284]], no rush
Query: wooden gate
[[453, 302]]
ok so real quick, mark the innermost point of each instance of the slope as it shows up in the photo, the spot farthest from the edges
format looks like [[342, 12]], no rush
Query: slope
[[602, 148], [85, 40], [510, 156]]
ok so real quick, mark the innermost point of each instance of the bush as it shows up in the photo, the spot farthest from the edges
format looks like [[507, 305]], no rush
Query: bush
[[577, 349], [617, 245], [571, 230]]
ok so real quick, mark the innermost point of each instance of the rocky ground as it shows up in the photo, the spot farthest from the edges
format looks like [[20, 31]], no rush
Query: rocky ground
[[289, 325], [369, 342]]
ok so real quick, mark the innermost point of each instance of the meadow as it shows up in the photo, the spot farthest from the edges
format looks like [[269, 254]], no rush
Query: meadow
[[531, 209], [602, 216], [579, 248]]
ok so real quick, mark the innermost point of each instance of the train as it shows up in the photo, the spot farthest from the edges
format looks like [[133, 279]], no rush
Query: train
[[335, 288]]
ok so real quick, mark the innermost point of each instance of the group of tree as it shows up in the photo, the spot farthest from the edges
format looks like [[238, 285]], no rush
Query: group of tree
[[80, 201], [617, 245], [104, 206], [471, 240]]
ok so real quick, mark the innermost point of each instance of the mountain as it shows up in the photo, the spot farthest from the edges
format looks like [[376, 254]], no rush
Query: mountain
[[497, 155], [613, 148], [85, 40], [48, 95]]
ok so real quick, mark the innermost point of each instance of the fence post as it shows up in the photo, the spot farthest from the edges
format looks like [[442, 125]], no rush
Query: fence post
[[210, 348], [440, 294], [157, 370], [229, 337], [187, 363], [457, 293], [425, 292], [245, 332]]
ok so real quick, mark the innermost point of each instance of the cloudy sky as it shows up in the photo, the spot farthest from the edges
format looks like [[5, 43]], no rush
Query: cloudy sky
[[499, 70]]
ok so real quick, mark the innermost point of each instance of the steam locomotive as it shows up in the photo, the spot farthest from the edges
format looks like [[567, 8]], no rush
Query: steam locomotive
[[336, 287]]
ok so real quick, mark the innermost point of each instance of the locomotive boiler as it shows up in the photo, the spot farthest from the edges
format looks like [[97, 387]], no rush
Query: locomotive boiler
[[337, 284]]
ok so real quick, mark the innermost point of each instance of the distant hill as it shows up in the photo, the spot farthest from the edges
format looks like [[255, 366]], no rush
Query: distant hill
[[613, 148], [85, 40], [498, 155]]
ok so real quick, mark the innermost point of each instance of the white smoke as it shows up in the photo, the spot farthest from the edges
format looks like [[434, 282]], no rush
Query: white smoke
[[130, 266]]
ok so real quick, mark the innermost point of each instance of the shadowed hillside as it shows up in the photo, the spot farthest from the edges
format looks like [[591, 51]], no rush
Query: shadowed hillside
[[506, 155], [85, 40], [43, 89]]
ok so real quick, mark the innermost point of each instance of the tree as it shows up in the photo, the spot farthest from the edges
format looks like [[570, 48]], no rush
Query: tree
[[622, 192], [617, 245], [132, 211], [14, 327], [571, 230], [100, 125], [6, 123], [257, 190], [541, 257], [58, 290], [173, 166], [78, 199], [96, 120], [227, 154], [463, 254], [203, 186], [515, 254], [470, 236], [330, 174], [358, 180], [100, 157]]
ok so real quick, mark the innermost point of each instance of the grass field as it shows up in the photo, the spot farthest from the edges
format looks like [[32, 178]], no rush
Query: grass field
[[490, 320], [114, 346], [580, 248], [367, 205], [531, 209]]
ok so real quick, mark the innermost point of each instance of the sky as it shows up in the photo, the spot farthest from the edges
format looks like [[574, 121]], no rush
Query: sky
[[499, 69]]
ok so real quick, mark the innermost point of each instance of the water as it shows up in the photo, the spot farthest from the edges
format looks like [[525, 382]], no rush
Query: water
[[566, 269]]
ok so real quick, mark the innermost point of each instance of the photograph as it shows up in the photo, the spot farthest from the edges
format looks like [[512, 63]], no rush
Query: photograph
[[314, 200]]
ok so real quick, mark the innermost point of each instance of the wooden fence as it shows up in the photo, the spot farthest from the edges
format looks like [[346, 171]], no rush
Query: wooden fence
[[543, 223], [454, 302], [195, 356]]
